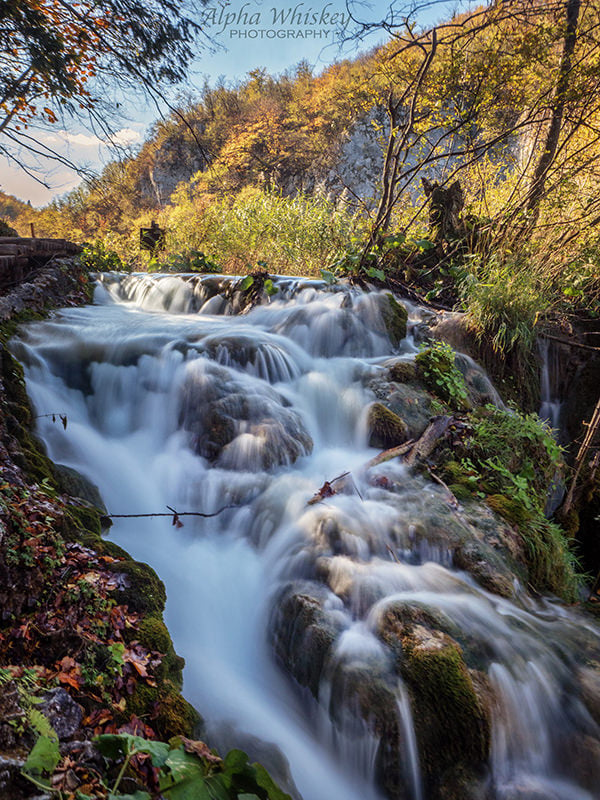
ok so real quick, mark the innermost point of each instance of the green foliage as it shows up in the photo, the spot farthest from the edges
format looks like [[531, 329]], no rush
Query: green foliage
[[505, 302], [295, 235], [188, 261], [515, 453], [190, 771], [96, 257], [45, 754], [511, 460], [441, 375]]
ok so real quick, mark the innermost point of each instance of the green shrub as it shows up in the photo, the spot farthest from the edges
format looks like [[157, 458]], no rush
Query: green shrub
[[96, 257], [511, 460], [441, 376]]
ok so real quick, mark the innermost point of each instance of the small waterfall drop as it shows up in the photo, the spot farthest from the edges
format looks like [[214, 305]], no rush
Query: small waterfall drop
[[175, 399]]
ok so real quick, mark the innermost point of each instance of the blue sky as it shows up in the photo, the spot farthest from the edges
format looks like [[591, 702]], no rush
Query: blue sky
[[273, 34]]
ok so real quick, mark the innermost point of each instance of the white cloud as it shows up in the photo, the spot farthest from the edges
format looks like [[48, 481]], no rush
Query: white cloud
[[125, 137], [122, 138], [81, 139]]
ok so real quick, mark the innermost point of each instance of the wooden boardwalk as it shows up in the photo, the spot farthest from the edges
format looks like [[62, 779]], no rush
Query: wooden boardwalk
[[19, 255]]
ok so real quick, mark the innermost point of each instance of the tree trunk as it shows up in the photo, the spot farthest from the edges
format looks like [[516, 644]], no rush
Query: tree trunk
[[536, 189]]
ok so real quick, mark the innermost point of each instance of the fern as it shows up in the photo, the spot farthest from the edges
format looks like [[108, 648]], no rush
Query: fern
[[40, 724]]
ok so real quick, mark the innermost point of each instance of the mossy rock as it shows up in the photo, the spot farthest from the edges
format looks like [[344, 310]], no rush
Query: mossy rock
[[411, 402], [395, 318], [146, 592], [451, 724], [170, 714], [403, 372], [154, 635], [385, 428], [511, 510], [75, 484]]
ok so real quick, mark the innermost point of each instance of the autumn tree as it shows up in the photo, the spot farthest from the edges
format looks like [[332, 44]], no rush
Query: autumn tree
[[60, 58]]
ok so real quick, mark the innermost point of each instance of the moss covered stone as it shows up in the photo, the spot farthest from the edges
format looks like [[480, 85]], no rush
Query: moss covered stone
[[145, 592], [403, 372], [395, 318], [451, 725], [385, 428], [171, 715]]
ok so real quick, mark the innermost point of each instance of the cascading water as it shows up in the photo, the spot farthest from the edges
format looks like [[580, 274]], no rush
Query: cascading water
[[172, 398]]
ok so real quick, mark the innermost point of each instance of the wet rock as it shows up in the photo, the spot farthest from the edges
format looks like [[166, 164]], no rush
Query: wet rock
[[303, 632], [588, 680], [491, 574], [363, 703], [239, 423], [479, 387], [395, 318], [63, 713], [584, 757], [410, 402], [452, 724], [385, 429]]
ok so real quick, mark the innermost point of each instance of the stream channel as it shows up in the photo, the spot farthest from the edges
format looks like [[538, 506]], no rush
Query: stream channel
[[174, 399]]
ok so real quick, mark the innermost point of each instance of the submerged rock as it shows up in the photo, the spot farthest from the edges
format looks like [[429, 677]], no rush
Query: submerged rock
[[303, 632], [239, 422]]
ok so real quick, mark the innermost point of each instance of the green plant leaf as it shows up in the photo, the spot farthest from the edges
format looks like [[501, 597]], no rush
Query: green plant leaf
[[183, 765], [373, 272], [139, 795], [44, 756], [235, 760], [115, 745], [424, 244], [246, 283], [328, 276], [265, 781], [270, 287]]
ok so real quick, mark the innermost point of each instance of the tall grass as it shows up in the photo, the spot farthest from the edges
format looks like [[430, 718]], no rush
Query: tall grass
[[292, 235]]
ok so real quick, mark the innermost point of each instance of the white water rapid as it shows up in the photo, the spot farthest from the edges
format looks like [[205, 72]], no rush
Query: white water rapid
[[174, 399]]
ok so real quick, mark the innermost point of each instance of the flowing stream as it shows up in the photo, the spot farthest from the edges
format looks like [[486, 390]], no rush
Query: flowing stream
[[173, 398]]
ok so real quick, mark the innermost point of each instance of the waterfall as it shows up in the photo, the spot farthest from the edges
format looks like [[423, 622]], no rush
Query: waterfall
[[174, 398]]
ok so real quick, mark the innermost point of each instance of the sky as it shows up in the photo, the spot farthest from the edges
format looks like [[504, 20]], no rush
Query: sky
[[273, 34]]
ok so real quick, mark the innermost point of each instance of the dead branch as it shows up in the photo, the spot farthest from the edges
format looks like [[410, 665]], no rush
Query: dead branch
[[107, 518], [569, 342], [326, 490], [428, 441], [451, 496], [387, 455]]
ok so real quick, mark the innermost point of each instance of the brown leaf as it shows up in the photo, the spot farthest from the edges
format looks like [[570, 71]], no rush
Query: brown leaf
[[200, 749]]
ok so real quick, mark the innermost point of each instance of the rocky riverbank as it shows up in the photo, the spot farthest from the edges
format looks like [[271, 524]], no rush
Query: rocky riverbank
[[82, 638]]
